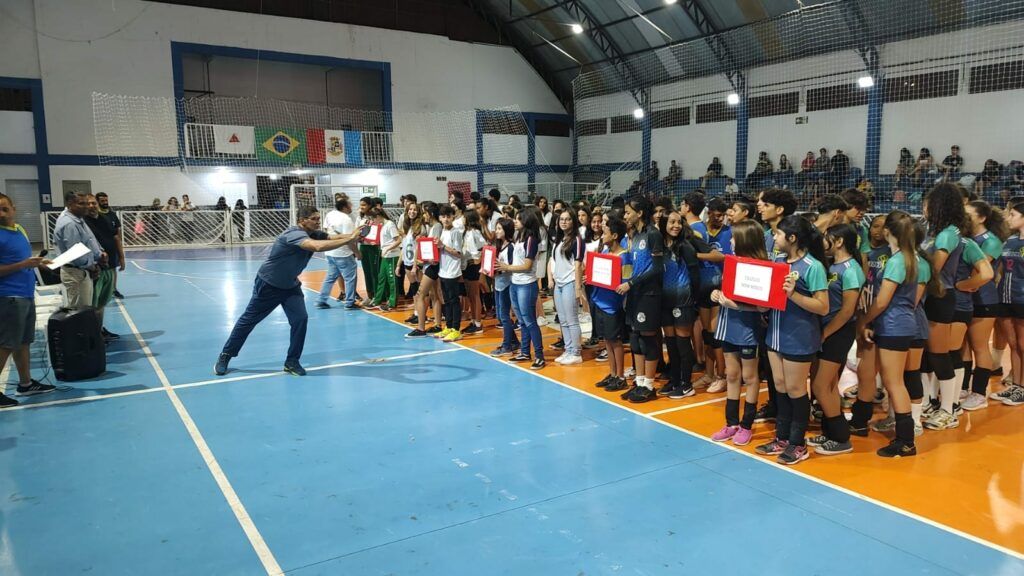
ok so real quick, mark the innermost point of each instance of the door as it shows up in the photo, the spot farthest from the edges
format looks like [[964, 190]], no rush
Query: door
[[26, 199]]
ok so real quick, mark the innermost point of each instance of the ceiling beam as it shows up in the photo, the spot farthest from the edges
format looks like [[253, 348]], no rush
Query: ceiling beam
[[611, 23], [607, 44]]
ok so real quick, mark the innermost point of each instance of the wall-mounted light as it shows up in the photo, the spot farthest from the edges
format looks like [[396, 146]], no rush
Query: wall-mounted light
[[638, 113], [274, 176], [670, 2], [733, 99], [865, 81]]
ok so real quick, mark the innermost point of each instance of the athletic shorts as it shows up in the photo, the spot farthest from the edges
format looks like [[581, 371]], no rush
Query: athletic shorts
[[796, 357], [704, 294], [611, 327], [917, 344], [471, 273], [897, 343], [745, 352], [962, 316], [989, 311], [941, 310], [407, 267], [677, 309], [18, 327], [431, 271], [836, 347], [642, 312], [1013, 310]]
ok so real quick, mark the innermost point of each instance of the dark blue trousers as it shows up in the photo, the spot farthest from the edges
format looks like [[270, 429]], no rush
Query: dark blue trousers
[[265, 298]]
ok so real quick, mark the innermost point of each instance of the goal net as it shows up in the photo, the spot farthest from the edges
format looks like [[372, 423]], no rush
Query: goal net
[[324, 196]]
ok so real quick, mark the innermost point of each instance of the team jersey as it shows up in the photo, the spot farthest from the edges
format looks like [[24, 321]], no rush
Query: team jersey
[[721, 240], [409, 249], [970, 254], [521, 251], [769, 244], [843, 276], [608, 301], [644, 247], [795, 330], [899, 317], [877, 258], [949, 241], [992, 247], [923, 328], [739, 327], [1011, 285], [865, 238]]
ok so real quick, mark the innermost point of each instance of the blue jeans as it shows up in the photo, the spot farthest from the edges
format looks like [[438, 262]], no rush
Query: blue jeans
[[503, 308], [346, 267], [265, 298], [524, 302], [568, 309]]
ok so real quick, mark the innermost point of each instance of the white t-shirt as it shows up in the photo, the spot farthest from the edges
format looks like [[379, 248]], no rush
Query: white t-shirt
[[493, 221], [338, 222], [564, 269], [388, 235], [547, 219], [520, 252], [473, 242], [460, 223], [409, 249], [451, 266]]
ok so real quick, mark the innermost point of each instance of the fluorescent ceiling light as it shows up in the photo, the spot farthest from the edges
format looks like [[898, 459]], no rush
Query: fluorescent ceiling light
[[733, 99], [577, 29]]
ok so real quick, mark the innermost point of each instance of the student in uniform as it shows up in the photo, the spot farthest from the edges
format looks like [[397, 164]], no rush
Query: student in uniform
[[838, 332], [409, 230], [740, 332], [988, 230], [450, 274], [609, 317], [566, 274], [429, 292], [369, 254], [739, 211], [524, 286], [678, 308], [643, 294], [864, 394], [391, 249], [718, 236], [794, 335], [891, 325], [473, 243], [504, 231], [831, 211], [1011, 292], [857, 203]]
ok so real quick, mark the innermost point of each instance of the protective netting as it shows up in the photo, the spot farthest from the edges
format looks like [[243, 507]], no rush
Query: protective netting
[[865, 77]]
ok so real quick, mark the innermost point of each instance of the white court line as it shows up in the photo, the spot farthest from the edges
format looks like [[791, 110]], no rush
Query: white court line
[[224, 380], [694, 405], [764, 461], [241, 514]]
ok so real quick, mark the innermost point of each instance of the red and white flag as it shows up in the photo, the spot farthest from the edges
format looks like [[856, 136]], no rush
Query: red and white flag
[[233, 139]]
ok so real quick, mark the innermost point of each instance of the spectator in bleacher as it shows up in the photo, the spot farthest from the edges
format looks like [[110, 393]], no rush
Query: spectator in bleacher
[[714, 171], [785, 167], [107, 213], [675, 173], [186, 204], [822, 164], [806, 170], [990, 176], [103, 284], [77, 276], [762, 170], [172, 205], [840, 169], [951, 164], [924, 167], [1015, 175], [731, 187], [156, 205], [222, 203], [17, 302], [238, 219], [653, 173], [905, 167]]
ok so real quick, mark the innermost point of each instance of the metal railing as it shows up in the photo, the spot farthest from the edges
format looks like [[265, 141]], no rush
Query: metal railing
[[150, 229]]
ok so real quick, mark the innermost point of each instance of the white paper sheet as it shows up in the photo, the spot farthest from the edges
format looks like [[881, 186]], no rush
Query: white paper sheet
[[73, 253], [753, 281], [427, 253], [601, 271], [487, 260]]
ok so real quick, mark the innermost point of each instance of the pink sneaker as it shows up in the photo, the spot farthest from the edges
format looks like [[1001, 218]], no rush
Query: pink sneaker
[[725, 433], [742, 436]]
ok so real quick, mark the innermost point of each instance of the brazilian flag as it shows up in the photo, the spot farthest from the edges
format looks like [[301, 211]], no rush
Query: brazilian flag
[[280, 145]]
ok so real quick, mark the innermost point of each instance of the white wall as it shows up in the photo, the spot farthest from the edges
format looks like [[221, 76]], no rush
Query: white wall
[[138, 186], [16, 173], [553, 150], [17, 135], [694, 146], [505, 149], [394, 184], [843, 129], [18, 39], [610, 148]]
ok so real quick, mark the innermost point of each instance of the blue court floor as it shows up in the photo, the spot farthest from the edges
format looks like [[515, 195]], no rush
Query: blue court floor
[[394, 456]]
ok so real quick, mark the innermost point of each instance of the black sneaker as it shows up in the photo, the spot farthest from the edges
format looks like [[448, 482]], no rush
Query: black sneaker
[[500, 351], [605, 381], [831, 448], [7, 401], [616, 384], [414, 319], [793, 454], [323, 305], [766, 413], [118, 295], [559, 344], [591, 342], [816, 441], [699, 367], [520, 358], [897, 449], [862, 432], [641, 394], [108, 335], [417, 333], [294, 368], [682, 391], [472, 329], [602, 356], [221, 367], [434, 329], [625, 395], [35, 387], [667, 388], [538, 364]]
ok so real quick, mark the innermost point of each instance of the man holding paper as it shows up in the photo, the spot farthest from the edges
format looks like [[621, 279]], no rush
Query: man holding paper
[[71, 229]]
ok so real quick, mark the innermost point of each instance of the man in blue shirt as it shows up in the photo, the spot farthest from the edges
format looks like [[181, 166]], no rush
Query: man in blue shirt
[[77, 275], [277, 284], [17, 301]]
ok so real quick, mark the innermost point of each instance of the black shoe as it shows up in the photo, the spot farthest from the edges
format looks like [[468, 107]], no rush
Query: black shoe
[[862, 432], [591, 342], [559, 344], [616, 384], [699, 367], [414, 319], [682, 391], [667, 388], [118, 295], [538, 364], [897, 449], [221, 368], [472, 329], [605, 381], [323, 305], [766, 413], [625, 395], [642, 394], [294, 368], [417, 333], [108, 335], [520, 358], [434, 329], [602, 356], [35, 387], [7, 401]]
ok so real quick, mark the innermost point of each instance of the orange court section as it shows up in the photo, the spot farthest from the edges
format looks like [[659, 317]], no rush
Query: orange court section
[[970, 479]]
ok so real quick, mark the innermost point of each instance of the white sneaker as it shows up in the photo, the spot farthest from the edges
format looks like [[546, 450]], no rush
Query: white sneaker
[[571, 359], [964, 394], [629, 373], [703, 381], [542, 321], [941, 420], [974, 401], [560, 358], [851, 393], [918, 430], [717, 386]]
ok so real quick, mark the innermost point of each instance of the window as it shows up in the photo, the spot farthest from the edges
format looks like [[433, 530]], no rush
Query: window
[[774, 105], [921, 86], [839, 96], [552, 128], [626, 123], [496, 122], [16, 99], [670, 117], [592, 127], [715, 112], [996, 77]]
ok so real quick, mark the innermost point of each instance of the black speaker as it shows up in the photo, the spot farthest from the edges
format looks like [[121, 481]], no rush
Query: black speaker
[[77, 351]]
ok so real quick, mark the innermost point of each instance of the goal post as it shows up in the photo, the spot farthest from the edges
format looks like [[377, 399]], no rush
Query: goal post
[[322, 196]]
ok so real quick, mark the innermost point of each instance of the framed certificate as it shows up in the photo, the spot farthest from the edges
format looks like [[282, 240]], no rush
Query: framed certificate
[[488, 258], [372, 235], [756, 282], [428, 250], [604, 270]]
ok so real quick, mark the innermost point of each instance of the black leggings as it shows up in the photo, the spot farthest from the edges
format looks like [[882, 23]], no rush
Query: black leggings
[[452, 305]]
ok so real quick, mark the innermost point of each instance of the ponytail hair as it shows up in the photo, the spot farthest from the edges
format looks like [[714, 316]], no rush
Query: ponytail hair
[[748, 239], [851, 240], [644, 207], [995, 222], [901, 226], [807, 236]]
